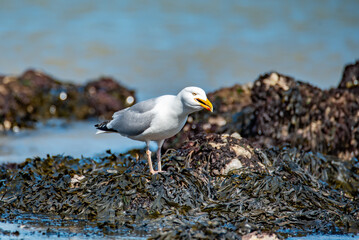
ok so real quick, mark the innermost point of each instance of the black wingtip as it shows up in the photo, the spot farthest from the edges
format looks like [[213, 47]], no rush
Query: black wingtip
[[103, 126]]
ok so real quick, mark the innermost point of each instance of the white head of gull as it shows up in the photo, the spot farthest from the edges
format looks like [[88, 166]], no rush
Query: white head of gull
[[157, 119]]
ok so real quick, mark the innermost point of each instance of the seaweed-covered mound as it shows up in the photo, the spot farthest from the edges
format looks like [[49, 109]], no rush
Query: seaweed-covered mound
[[220, 154], [231, 99], [279, 110], [287, 111], [350, 78], [35, 96], [266, 191]]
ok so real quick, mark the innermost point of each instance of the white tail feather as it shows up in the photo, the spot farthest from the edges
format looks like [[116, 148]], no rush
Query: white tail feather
[[100, 131]]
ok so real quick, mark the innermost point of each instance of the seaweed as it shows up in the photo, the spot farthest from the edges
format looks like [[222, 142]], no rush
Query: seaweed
[[350, 78], [278, 109], [288, 111], [267, 191]]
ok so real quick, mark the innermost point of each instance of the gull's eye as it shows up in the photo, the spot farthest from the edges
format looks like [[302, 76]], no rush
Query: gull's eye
[[194, 94]]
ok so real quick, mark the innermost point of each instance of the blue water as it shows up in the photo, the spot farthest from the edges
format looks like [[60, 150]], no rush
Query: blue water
[[30, 232], [159, 47], [41, 232], [326, 237], [76, 139]]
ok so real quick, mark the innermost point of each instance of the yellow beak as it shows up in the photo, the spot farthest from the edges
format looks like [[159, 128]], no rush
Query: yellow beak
[[205, 104]]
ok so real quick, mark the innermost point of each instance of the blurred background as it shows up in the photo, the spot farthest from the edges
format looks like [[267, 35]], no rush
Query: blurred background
[[159, 47]]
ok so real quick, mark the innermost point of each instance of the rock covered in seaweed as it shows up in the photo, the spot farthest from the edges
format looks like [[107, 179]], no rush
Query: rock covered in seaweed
[[220, 154], [231, 99], [350, 78], [287, 111], [278, 188], [35, 96], [278, 109]]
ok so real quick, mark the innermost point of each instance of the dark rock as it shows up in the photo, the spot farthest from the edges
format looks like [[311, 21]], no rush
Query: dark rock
[[105, 96], [35, 96], [279, 110], [350, 78], [287, 111], [231, 99], [219, 154]]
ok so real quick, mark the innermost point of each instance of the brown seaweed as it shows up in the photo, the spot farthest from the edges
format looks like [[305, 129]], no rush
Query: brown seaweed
[[273, 189], [278, 109], [287, 111]]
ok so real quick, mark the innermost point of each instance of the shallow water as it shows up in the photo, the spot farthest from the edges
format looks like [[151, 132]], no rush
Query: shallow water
[[34, 232], [60, 137], [325, 237]]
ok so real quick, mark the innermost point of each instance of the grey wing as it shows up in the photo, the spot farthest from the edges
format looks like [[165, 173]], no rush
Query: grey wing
[[134, 120], [140, 107]]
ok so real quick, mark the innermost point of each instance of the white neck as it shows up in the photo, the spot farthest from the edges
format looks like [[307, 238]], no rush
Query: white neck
[[182, 109]]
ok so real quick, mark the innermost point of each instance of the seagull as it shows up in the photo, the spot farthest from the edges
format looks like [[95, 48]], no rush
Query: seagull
[[156, 119]]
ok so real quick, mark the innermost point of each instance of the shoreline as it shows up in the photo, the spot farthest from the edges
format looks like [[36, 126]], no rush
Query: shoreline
[[274, 157]]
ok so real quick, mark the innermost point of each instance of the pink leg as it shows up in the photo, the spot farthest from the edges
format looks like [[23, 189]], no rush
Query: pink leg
[[148, 152], [159, 143]]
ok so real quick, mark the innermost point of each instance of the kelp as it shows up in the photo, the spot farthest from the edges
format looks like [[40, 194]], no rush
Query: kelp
[[270, 191]]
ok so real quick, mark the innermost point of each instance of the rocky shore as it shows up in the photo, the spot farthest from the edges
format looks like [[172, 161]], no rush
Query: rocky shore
[[35, 96], [277, 158], [278, 110]]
